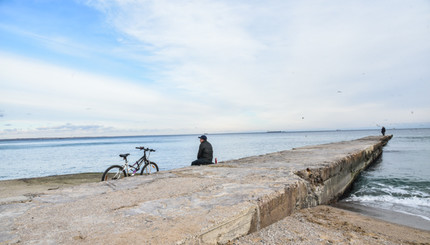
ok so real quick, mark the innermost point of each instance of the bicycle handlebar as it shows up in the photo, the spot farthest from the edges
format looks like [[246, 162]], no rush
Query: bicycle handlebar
[[145, 149]]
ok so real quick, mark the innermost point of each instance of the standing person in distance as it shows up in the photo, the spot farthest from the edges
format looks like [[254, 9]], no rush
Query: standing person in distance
[[383, 131], [205, 154]]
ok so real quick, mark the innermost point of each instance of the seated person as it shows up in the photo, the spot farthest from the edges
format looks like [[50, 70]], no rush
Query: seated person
[[205, 154]]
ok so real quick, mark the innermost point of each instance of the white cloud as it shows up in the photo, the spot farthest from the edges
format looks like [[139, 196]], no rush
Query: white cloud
[[65, 102], [279, 58], [243, 65], [32, 83], [42, 94]]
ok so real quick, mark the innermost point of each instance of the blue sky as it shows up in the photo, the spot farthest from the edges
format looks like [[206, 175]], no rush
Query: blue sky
[[93, 68]]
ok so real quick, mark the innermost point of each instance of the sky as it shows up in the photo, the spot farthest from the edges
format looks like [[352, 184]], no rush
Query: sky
[[124, 67]]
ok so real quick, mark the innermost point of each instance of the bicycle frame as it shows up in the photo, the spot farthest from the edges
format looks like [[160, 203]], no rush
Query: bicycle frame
[[129, 168], [116, 171]]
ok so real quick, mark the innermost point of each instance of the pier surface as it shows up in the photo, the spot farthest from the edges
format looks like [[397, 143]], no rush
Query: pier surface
[[193, 205]]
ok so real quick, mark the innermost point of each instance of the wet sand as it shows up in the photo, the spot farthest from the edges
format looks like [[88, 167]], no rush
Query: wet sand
[[318, 225], [386, 215]]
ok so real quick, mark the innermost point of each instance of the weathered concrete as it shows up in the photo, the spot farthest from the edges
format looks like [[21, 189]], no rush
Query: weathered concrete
[[193, 205]]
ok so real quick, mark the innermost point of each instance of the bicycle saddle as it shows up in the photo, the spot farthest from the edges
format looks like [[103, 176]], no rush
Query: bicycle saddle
[[124, 155]]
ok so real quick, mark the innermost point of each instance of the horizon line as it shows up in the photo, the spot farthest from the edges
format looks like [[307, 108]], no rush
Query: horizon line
[[189, 134]]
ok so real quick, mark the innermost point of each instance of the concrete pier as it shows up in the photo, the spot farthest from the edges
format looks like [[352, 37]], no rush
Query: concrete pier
[[192, 205]]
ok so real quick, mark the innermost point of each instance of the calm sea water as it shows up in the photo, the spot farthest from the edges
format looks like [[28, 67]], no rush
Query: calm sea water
[[44, 157], [399, 181]]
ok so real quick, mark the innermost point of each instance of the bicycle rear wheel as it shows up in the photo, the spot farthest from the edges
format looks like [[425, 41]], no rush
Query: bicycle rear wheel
[[114, 172], [149, 168]]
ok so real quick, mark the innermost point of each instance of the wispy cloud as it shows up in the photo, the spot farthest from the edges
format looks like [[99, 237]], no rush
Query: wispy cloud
[[38, 95], [66, 91], [70, 126], [276, 60], [214, 66], [65, 130]]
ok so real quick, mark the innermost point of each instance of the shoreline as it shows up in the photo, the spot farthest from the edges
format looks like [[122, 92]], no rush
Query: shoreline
[[390, 216]]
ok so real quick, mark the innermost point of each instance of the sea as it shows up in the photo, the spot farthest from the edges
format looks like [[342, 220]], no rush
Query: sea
[[395, 188]]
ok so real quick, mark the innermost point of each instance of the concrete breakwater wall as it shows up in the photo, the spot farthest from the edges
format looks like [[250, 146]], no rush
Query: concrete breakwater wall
[[193, 205]]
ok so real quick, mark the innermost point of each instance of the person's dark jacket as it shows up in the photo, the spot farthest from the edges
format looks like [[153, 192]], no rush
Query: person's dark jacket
[[205, 151]]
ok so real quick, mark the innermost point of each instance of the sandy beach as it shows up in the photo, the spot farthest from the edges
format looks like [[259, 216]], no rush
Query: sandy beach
[[330, 225], [319, 225]]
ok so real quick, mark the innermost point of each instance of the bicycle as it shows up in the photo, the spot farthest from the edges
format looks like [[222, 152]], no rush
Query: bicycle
[[116, 172]]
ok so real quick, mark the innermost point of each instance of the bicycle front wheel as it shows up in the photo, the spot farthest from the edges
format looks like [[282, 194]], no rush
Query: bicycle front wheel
[[149, 168], [114, 172]]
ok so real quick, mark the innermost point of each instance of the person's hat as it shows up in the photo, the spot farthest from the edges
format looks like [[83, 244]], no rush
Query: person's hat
[[203, 137]]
